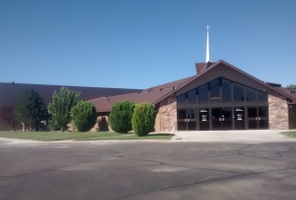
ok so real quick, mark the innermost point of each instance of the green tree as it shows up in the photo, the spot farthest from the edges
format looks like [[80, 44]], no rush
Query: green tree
[[143, 119], [30, 110], [61, 105], [83, 116], [121, 116], [291, 86], [7, 114]]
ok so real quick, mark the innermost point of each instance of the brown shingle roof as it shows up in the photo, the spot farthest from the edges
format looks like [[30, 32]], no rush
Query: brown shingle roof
[[291, 92], [202, 67], [152, 95], [199, 67]]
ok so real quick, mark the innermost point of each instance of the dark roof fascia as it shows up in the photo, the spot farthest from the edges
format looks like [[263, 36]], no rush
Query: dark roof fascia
[[288, 96], [173, 91], [169, 84], [291, 98], [173, 84], [187, 82]]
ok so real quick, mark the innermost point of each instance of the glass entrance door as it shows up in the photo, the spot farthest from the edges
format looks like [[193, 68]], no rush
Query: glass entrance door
[[204, 123], [258, 118], [239, 118], [187, 119], [222, 118]]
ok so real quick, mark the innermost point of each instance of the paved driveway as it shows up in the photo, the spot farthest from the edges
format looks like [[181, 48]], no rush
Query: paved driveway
[[147, 170]]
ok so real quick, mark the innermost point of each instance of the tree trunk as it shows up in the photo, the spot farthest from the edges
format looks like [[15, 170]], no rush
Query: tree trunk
[[23, 126]]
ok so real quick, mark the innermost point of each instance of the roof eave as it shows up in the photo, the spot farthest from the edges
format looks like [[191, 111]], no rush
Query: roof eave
[[174, 90]]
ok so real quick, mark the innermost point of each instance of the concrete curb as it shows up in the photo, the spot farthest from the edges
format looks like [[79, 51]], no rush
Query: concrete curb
[[24, 141]]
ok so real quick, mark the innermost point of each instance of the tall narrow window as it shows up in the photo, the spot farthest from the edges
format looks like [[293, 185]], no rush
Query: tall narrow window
[[181, 98], [226, 90], [191, 96], [262, 96], [203, 93], [238, 92], [215, 90], [251, 94]]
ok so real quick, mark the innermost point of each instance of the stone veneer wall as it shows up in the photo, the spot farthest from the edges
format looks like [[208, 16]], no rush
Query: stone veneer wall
[[102, 124], [166, 118], [278, 113]]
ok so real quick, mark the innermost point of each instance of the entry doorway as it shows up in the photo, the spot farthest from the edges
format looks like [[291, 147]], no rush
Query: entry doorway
[[222, 118], [258, 117], [187, 119], [204, 120], [239, 118]]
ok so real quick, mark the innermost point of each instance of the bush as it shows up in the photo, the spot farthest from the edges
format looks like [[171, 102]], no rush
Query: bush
[[61, 105], [83, 116], [143, 119], [121, 116]]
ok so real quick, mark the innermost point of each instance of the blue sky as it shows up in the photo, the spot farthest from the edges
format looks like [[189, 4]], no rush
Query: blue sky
[[143, 43]]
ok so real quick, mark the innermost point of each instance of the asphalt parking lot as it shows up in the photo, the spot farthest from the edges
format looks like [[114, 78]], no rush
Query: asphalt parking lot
[[147, 170]]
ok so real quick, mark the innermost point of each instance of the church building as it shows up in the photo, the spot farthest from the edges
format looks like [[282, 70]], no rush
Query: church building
[[219, 97]]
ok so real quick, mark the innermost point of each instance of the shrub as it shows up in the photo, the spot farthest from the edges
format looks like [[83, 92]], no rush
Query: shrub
[[83, 116], [143, 119], [121, 116], [61, 105]]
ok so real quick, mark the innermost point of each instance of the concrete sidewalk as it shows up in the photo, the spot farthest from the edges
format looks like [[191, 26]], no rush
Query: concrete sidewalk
[[243, 136], [17, 141], [231, 136]]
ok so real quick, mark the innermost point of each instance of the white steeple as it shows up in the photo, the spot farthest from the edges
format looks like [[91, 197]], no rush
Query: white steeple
[[208, 59]]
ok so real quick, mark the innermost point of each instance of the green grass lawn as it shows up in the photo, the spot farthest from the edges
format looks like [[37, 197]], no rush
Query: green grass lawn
[[54, 136], [291, 134]]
